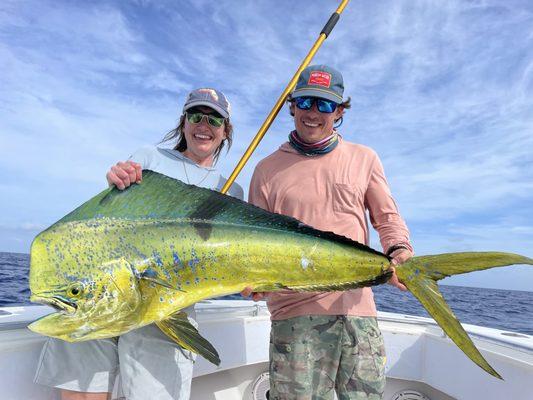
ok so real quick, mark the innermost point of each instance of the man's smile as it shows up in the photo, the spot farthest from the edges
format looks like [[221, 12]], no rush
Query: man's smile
[[311, 124]]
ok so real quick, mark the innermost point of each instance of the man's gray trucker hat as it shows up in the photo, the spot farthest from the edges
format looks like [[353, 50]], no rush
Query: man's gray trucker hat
[[320, 81]]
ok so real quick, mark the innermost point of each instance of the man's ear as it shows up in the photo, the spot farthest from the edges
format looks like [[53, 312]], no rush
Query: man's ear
[[291, 108], [339, 111]]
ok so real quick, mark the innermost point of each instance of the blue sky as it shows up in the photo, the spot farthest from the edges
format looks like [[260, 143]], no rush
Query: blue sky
[[442, 90]]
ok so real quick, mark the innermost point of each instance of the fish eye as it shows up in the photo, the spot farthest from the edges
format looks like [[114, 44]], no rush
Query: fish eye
[[75, 290]]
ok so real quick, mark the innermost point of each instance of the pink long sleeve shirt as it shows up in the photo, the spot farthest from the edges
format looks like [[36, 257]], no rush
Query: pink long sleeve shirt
[[330, 192]]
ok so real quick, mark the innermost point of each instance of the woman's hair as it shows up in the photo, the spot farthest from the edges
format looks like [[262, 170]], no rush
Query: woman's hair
[[346, 104], [181, 144]]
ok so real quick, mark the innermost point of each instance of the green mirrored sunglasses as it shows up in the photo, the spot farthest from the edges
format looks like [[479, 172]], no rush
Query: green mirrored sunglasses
[[196, 118]]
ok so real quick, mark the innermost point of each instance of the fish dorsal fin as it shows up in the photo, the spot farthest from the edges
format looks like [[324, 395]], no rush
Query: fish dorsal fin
[[162, 197], [179, 329]]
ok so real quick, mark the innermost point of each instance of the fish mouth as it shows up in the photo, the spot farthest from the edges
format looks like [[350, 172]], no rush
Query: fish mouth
[[61, 325], [59, 303]]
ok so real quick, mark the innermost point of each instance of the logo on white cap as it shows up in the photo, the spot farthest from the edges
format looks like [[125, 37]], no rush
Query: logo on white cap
[[211, 93]]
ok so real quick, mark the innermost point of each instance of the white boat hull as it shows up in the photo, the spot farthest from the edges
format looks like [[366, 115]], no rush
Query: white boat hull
[[419, 357]]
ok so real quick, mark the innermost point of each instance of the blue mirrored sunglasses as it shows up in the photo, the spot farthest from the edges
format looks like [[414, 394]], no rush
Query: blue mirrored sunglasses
[[323, 105]]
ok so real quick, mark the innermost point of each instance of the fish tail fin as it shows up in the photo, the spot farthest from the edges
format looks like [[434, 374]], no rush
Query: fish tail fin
[[420, 275]]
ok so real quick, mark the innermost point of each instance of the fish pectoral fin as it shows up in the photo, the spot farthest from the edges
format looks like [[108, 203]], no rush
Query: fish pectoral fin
[[179, 329], [152, 276]]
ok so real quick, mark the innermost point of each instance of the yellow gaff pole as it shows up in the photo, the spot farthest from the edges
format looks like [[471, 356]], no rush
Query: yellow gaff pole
[[270, 118]]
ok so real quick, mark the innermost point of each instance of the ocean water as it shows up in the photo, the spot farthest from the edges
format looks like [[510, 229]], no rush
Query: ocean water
[[509, 310]]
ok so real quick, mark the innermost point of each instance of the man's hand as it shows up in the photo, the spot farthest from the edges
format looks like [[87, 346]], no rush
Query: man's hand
[[398, 257], [256, 296], [123, 174]]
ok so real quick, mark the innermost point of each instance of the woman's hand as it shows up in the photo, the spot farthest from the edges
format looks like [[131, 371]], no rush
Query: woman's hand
[[123, 174]]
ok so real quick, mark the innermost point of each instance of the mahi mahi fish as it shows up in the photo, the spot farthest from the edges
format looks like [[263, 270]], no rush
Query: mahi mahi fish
[[126, 259]]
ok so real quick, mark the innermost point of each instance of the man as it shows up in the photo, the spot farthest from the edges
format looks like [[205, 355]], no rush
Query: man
[[326, 342], [151, 365]]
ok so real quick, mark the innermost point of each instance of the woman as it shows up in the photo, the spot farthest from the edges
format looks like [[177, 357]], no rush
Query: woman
[[150, 364]]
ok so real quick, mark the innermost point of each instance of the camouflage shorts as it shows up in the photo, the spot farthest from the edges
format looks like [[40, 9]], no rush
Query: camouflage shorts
[[313, 356]]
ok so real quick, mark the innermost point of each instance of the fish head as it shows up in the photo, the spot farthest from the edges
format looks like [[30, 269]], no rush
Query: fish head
[[93, 298]]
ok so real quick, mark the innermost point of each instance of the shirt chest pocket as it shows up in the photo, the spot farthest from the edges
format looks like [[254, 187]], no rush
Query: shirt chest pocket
[[347, 198]]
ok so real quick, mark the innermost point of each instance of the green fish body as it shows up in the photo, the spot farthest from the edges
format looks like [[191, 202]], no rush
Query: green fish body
[[126, 259]]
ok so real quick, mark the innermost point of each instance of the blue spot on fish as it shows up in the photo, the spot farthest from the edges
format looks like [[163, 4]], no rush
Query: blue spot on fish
[[167, 274], [149, 273], [177, 262], [193, 261], [157, 258]]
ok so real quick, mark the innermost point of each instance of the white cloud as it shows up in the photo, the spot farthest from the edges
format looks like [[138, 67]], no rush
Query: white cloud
[[442, 90], [24, 226]]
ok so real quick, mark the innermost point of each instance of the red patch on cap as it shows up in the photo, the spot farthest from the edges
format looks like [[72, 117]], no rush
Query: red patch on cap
[[319, 78]]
